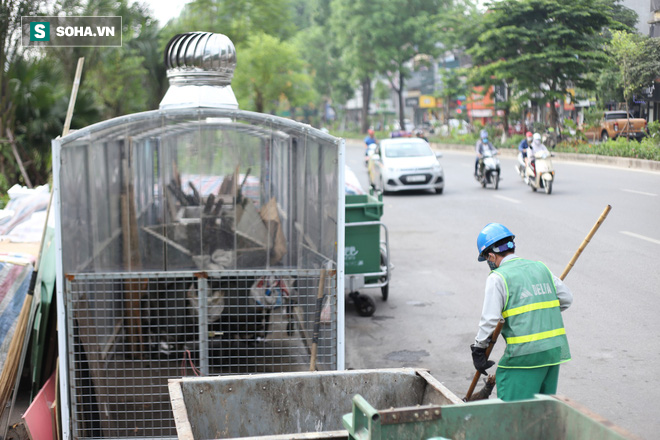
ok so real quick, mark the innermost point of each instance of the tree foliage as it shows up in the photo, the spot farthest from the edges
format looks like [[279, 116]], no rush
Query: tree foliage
[[547, 46], [237, 19], [382, 37], [637, 58], [407, 29], [268, 71], [331, 77]]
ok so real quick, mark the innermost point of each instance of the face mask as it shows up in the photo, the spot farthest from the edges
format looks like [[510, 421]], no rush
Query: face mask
[[492, 265]]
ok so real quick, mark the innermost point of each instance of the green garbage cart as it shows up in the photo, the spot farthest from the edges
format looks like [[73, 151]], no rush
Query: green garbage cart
[[544, 417], [366, 257]]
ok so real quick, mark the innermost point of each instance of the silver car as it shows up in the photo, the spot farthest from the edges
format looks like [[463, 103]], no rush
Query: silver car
[[404, 164]]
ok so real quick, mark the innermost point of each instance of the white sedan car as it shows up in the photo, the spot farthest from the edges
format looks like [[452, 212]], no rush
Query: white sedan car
[[404, 164]]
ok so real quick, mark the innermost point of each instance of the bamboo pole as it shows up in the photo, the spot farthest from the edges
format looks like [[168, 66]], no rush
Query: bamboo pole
[[317, 320], [14, 150], [489, 349], [586, 241], [74, 95]]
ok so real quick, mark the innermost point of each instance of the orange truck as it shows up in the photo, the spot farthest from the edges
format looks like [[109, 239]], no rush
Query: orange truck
[[614, 124]]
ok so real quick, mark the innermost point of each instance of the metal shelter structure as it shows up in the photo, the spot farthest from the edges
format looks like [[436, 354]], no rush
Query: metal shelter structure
[[197, 239]]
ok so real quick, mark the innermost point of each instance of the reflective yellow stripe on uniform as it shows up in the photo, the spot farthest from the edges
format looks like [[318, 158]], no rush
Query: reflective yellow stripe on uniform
[[530, 307], [536, 336]]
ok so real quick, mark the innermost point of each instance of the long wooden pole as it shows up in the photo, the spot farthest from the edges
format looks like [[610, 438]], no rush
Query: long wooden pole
[[586, 241], [317, 321], [489, 349], [17, 156], [74, 95], [563, 275]]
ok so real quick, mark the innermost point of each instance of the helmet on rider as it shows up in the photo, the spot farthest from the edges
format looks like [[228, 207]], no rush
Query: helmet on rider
[[528, 134], [490, 235], [537, 137], [484, 134]]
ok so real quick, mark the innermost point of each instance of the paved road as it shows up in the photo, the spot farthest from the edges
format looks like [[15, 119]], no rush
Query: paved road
[[436, 292]]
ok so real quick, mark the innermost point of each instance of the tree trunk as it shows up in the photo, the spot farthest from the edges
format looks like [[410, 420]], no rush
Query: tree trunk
[[507, 112], [258, 102], [401, 108], [553, 115], [366, 99]]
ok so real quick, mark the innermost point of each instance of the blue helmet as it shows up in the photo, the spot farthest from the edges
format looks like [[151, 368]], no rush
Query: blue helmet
[[491, 234], [484, 134]]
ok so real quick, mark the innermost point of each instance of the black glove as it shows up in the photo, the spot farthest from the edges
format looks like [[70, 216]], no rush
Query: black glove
[[479, 359]]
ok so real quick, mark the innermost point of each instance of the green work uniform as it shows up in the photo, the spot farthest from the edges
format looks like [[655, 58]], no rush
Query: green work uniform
[[533, 330]]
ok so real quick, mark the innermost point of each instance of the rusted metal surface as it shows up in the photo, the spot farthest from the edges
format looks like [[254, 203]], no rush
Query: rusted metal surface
[[294, 405]]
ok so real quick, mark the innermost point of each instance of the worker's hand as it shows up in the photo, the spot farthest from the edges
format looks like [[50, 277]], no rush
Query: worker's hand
[[479, 359]]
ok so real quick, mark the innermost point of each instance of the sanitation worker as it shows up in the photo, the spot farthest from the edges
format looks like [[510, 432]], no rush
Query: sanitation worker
[[530, 299]]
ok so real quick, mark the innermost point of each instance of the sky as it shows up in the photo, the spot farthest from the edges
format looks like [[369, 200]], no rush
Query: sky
[[164, 10]]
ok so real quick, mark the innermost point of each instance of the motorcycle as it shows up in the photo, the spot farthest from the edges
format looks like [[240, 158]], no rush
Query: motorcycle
[[488, 171], [540, 173]]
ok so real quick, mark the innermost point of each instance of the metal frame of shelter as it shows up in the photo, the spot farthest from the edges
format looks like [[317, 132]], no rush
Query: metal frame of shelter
[[192, 241]]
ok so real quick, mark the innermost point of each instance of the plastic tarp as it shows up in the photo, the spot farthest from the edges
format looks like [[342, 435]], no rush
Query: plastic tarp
[[352, 183], [22, 220], [15, 275]]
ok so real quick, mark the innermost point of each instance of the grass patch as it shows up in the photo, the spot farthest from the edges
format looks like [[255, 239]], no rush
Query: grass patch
[[647, 148]]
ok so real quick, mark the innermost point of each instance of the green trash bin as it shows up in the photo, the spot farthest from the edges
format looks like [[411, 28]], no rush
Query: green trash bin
[[544, 417], [362, 243]]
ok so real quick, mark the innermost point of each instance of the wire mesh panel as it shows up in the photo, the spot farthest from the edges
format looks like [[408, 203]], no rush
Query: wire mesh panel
[[130, 332], [192, 242]]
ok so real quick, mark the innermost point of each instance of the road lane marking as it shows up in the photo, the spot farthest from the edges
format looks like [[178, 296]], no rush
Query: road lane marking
[[507, 199], [641, 237], [639, 192]]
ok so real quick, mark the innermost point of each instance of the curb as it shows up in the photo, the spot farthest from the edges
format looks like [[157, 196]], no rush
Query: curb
[[620, 162]]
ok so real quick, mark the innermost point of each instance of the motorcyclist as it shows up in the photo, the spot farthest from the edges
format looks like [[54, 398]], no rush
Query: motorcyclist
[[420, 134], [483, 146], [522, 150], [369, 140], [536, 148]]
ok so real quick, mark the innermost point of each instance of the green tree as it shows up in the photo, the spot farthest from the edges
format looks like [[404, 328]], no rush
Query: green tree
[[331, 77], [269, 70], [237, 19], [624, 18], [35, 88], [11, 52], [453, 86], [116, 81], [354, 24], [41, 100], [638, 60], [547, 46], [405, 29]]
